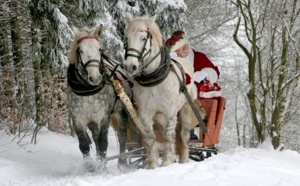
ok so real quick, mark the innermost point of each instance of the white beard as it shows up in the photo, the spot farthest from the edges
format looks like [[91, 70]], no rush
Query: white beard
[[190, 56]]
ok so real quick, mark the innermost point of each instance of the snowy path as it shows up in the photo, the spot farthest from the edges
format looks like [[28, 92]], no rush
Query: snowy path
[[56, 160]]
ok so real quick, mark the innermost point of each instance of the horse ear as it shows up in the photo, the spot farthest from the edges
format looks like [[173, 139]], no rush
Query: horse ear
[[150, 20], [128, 16], [75, 30], [98, 31]]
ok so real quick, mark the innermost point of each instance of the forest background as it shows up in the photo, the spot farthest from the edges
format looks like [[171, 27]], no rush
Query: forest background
[[255, 44]]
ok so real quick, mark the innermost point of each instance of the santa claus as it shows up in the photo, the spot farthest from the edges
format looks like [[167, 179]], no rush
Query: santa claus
[[206, 74]]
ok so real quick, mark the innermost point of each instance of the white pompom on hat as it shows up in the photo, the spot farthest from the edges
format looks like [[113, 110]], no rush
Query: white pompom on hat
[[176, 41]]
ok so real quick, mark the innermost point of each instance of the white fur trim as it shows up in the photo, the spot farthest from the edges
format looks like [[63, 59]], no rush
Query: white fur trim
[[212, 74], [195, 90], [173, 54], [200, 75], [179, 44], [210, 94]]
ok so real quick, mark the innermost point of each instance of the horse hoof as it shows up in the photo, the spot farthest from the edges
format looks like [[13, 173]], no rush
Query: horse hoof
[[122, 162], [89, 164], [166, 163], [152, 165], [183, 160]]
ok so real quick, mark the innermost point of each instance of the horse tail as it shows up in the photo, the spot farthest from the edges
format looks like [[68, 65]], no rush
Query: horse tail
[[114, 123], [178, 139]]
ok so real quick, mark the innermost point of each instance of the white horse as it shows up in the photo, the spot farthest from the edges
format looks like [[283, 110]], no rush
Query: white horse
[[157, 88]]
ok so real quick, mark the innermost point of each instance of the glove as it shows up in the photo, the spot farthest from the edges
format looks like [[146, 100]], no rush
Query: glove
[[200, 76], [173, 54], [187, 78]]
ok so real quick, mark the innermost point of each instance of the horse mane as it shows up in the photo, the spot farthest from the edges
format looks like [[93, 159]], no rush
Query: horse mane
[[136, 23], [79, 33]]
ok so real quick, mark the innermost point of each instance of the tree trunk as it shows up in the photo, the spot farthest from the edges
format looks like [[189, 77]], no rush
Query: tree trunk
[[277, 120], [18, 62], [16, 40], [45, 63], [8, 100]]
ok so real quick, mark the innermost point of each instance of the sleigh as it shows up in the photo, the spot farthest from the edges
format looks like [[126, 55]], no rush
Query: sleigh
[[199, 149], [206, 144]]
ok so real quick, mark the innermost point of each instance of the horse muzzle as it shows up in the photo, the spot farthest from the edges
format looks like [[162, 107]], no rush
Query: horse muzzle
[[94, 79], [132, 69]]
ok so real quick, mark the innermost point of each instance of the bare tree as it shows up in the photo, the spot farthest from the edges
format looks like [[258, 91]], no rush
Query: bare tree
[[207, 19], [270, 49]]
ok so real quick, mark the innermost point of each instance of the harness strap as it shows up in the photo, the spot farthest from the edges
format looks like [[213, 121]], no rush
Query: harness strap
[[113, 63], [108, 81], [159, 75], [183, 89], [146, 65], [141, 54]]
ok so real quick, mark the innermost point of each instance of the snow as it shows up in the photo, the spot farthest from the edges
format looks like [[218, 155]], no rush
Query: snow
[[56, 160]]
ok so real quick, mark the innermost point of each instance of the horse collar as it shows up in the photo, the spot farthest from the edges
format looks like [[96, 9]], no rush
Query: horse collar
[[79, 86], [158, 75]]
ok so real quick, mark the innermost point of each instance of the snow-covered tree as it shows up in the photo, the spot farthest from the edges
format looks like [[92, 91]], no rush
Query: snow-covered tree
[[272, 50], [40, 34]]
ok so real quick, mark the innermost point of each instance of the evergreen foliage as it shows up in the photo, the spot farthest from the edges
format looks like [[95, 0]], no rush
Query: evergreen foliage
[[43, 32]]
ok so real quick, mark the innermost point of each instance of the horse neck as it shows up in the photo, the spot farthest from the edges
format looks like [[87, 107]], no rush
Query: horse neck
[[153, 65]]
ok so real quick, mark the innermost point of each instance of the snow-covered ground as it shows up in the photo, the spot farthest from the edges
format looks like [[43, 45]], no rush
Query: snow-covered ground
[[56, 160]]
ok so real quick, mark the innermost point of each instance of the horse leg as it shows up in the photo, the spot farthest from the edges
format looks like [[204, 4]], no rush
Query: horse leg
[[169, 139], [186, 120], [84, 146], [122, 121], [149, 139], [100, 134], [84, 141], [103, 141], [93, 126]]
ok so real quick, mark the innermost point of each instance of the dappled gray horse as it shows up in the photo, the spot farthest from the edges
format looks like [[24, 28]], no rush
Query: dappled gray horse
[[91, 96]]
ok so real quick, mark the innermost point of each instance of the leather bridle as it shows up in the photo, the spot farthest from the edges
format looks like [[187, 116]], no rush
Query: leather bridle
[[142, 54], [90, 62]]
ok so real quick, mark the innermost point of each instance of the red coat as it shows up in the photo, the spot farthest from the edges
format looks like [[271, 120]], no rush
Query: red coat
[[201, 61]]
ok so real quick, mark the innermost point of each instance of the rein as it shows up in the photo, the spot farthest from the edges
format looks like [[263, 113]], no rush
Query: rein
[[114, 66], [183, 89]]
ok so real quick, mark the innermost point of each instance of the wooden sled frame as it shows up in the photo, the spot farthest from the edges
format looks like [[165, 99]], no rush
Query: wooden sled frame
[[206, 144]]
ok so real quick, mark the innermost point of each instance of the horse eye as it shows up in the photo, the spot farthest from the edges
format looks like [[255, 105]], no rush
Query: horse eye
[[80, 51]]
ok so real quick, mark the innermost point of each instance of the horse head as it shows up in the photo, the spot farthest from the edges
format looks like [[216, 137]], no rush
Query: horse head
[[143, 42], [85, 54]]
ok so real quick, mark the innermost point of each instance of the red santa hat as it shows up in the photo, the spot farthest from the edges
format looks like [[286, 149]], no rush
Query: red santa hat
[[176, 41]]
